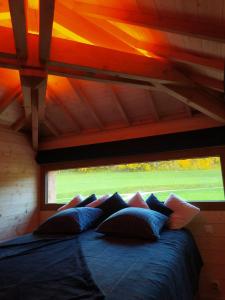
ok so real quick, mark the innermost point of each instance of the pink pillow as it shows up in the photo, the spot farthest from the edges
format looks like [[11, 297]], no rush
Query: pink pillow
[[137, 201], [98, 201], [76, 200], [183, 212]]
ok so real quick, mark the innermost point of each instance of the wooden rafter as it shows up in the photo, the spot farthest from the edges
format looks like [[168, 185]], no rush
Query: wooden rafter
[[68, 70], [152, 129], [9, 98], [18, 17], [198, 99], [99, 60], [203, 30], [89, 30], [152, 105], [51, 127], [119, 105], [180, 55], [209, 82], [65, 109], [19, 124], [46, 23], [83, 97]]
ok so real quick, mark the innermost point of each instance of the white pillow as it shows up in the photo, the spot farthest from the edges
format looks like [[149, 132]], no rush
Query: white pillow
[[183, 212], [76, 200], [98, 201], [137, 201]]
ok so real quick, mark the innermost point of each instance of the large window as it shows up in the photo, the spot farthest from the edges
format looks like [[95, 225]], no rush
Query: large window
[[198, 179]]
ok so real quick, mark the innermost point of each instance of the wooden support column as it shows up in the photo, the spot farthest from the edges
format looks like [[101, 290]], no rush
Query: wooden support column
[[28, 83], [34, 91]]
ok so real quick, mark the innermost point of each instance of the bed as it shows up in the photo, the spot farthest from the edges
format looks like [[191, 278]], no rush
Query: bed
[[90, 265]]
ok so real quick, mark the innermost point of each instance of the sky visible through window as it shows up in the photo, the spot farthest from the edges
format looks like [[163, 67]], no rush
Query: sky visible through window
[[192, 179]]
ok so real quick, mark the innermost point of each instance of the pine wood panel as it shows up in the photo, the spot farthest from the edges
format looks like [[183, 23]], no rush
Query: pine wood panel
[[19, 211], [208, 230]]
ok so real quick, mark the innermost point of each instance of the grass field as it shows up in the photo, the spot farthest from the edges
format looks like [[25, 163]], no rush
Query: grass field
[[195, 185]]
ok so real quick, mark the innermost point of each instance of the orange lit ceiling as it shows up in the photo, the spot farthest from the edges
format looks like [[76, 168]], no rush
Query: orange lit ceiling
[[77, 58]]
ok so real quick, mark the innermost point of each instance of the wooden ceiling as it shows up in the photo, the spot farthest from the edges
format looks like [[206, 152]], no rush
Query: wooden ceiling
[[90, 71]]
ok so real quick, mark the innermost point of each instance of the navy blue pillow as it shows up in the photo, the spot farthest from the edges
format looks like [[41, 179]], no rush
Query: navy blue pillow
[[111, 205], [156, 205], [87, 201], [134, 222], [70, 221]]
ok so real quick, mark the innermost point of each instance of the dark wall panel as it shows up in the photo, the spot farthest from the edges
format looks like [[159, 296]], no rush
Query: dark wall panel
[[162, 143]]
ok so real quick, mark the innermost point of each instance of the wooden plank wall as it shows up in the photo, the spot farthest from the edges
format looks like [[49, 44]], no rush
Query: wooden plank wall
[[19, 179], [208, 229]]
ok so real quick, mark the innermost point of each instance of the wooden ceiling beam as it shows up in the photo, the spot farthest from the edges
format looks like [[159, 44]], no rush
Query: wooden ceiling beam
[[87, 29], [198, 99], [67, 71], [152, 129], [119, 105], [18, 17], [46, 22], [83, 98], [9, 98], [180, 55], [179, 25], [99, 60]]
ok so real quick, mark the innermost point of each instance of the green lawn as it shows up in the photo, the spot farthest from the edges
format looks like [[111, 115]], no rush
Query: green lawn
[[199, 185]]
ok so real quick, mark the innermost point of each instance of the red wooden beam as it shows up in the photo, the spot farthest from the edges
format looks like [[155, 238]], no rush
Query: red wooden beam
[[179, 25], [82, 57], [18, 17], [46, 23]]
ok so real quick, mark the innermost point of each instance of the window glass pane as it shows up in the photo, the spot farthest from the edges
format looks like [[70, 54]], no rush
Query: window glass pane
[[192, 179]]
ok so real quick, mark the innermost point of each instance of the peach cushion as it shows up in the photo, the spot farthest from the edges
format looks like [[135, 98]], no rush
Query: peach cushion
[[183, 212], [137, 201], [76, 200], [99, 201]]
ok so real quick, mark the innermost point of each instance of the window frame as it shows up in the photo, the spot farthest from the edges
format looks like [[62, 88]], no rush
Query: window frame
[[162, 156]]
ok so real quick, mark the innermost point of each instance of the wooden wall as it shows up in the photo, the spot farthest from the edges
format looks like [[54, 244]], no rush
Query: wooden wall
[[208, 229], [19, 174]]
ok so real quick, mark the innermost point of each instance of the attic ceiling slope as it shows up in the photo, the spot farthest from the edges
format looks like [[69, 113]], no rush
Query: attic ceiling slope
[[74, 72]]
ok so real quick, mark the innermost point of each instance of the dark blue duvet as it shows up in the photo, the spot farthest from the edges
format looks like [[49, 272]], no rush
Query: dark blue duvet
[[91, 266]]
